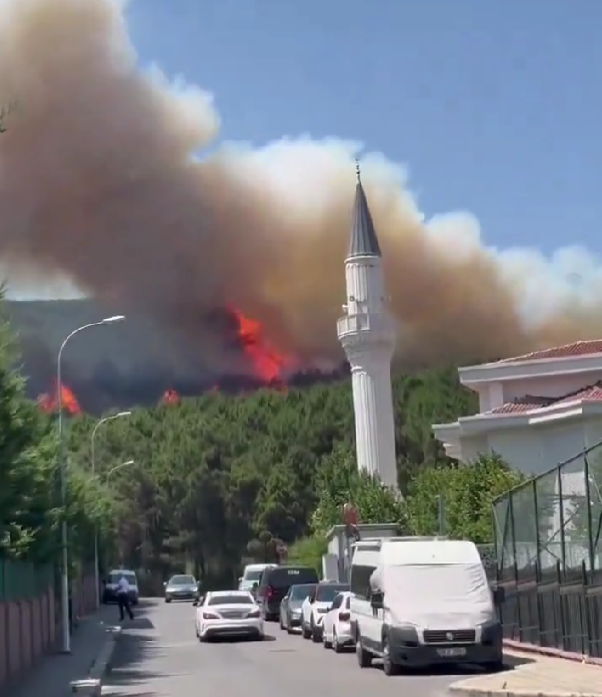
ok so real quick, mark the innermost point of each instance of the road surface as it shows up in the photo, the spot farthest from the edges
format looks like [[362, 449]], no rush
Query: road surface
[[158, 655]]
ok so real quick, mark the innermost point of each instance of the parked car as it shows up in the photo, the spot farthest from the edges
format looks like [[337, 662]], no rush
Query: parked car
[[274, 584], [181, 587], [336, 625], [109, 593], [228, 613], [316, 605], [290, 607], [251, 576]]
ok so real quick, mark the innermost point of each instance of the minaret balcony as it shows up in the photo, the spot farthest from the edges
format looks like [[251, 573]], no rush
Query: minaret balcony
[[376, 323]]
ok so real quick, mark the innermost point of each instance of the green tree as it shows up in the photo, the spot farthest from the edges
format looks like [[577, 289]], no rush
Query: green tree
[[465, 495]]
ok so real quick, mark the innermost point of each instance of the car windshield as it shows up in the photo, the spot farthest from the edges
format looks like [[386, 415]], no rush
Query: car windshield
[[233, 599], [253, 575], [326, 594], [129, 577], [301, 592], [181, 581]]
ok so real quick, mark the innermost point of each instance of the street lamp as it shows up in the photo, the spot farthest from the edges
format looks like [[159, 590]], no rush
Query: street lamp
[[65, 623], [127, 463], [93, 459]]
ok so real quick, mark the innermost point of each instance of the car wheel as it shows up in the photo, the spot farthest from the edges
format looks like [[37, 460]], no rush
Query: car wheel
[[281, 622], [325, 643], [389, 668], [364, 658], [168, 600], [335, 642], [315, 635], [306, 633]]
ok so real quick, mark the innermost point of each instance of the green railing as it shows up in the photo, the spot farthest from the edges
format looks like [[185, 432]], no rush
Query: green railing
[[20, 580]]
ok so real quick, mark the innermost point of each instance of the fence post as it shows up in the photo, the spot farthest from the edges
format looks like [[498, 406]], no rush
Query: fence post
[[590, 526], [516, 590], [538, 611], [561, 521]]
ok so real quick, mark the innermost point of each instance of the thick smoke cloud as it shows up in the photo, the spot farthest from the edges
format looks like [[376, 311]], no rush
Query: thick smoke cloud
[[98, 182]]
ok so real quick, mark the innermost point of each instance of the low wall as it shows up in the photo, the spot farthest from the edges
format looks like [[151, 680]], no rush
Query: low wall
[[28, 629]]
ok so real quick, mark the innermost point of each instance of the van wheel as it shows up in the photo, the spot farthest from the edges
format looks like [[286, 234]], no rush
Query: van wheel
[[389, 668], [364, 658], [494, 666]]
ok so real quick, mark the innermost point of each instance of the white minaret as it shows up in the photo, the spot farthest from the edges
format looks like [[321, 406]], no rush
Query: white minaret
[[367, 334]]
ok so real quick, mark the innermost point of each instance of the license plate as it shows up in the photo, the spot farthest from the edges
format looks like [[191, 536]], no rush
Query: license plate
[[451, 652]]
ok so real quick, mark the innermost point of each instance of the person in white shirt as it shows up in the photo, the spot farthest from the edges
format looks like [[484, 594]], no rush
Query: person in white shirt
[[123, 598]]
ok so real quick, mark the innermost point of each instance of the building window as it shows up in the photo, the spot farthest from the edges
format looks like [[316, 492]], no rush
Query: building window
[[360, 580]]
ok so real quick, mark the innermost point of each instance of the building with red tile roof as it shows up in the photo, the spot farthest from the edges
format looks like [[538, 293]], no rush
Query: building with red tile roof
[[536, 410]]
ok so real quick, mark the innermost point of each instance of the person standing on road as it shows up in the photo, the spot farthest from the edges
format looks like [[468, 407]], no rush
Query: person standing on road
[[123, 598]]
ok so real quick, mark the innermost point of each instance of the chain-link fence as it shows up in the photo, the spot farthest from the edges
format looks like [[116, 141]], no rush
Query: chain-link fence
[[553, 520], [549, 556]]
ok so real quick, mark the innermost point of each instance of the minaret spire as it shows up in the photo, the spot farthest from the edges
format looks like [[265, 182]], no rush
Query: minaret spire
[[363, 242]]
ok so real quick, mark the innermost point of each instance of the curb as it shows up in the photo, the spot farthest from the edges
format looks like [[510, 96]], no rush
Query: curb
[[92, 685], [458, 689], [551, 652]]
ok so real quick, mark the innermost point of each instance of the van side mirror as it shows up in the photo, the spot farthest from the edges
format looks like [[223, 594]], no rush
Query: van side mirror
[[240, 579], [377, 599], [499, 595]]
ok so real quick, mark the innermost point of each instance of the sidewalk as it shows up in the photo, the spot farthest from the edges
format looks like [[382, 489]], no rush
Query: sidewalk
[[51, 677], [541, 677]]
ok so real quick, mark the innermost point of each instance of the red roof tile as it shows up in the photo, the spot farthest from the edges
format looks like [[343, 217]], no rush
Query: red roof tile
[[513, 408], [592, 393], [588, 394], [578, 348]]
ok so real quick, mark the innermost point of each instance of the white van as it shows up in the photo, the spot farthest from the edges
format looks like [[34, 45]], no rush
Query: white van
[[251, 576], [422, 601]]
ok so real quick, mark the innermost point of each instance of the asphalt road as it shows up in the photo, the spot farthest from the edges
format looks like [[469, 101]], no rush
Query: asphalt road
[[158, 655]]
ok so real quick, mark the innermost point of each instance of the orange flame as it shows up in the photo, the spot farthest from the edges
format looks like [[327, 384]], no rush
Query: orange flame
[[170, 397], [267, 362], [50, 403]]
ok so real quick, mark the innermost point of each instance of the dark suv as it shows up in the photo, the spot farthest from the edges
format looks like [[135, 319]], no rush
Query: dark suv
[[274, 584]]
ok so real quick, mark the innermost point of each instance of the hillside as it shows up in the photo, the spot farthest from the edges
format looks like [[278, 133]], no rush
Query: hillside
[[127, 363], [214, 473]]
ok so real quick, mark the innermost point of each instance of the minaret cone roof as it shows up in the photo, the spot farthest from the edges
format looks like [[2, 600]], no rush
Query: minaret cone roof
[[364, 242]]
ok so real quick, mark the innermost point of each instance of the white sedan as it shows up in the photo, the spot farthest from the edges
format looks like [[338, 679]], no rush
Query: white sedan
[[228, 613], [336, 632]]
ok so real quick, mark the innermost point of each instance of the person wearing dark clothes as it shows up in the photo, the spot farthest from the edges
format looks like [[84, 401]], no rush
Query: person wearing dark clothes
[[123, 599]]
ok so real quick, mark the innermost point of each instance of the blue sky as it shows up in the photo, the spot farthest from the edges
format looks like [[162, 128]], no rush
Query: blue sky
[[494, 105]]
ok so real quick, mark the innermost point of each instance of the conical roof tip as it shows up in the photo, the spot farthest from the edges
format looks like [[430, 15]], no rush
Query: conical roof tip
[[363, 242]]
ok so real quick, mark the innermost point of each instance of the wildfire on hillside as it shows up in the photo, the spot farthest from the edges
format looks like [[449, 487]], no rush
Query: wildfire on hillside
[[49, 402], [171, 397], [267, 362]]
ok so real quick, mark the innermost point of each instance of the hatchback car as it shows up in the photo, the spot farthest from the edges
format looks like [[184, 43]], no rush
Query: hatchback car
[[290, 607], [315, 607]]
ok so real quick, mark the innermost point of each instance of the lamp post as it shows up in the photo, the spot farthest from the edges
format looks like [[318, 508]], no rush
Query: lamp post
[[65, 623], [127, 463], [93, 459]]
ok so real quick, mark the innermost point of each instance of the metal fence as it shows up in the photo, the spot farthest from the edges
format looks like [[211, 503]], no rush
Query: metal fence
[[549, 556]]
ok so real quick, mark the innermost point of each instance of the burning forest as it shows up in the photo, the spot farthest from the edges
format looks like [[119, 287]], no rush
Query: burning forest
[[101, 183], [118, 368]]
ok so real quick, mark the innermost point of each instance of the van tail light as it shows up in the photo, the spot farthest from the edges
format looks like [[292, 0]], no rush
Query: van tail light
[[344, 616], [269, 592], [210, 616]]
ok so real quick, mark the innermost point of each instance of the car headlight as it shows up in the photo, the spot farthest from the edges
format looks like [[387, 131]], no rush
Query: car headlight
[[254, 613]]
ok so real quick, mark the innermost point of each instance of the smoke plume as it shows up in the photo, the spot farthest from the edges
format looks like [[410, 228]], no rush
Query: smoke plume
[[101, 182]]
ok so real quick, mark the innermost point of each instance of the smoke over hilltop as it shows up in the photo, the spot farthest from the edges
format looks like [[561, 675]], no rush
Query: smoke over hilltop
[[98, 182]]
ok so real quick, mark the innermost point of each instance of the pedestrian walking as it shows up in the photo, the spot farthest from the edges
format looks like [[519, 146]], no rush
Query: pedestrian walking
[[123, 598]]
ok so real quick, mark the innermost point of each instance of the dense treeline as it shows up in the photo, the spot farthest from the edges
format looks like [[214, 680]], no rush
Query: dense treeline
[[220, 479]]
